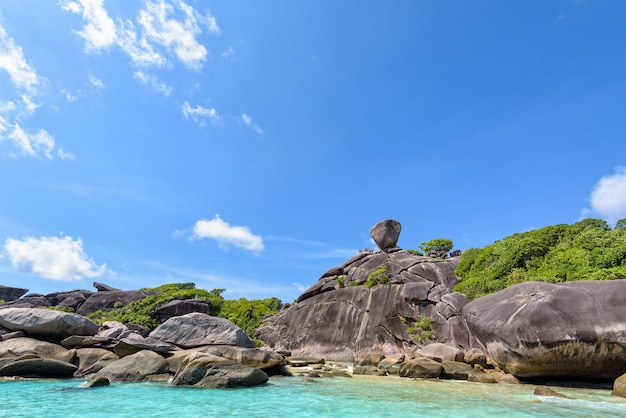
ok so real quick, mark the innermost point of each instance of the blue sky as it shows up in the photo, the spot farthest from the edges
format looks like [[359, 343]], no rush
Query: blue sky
[[251, 145]]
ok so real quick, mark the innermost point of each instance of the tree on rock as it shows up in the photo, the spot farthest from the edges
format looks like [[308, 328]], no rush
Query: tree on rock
[[438, 247]]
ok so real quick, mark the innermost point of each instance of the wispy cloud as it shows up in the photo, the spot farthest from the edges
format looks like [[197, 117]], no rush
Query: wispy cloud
[[200, 114], [245, 119], [99, 31], [171, 27], [13, 113], [228, 53], [52, 258], [12, 60], [152, 82], [608, 197], [225, 234], [96, 82]]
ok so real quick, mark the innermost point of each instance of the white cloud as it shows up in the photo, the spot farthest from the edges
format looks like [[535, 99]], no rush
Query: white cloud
[[96, 82], [12, 60], [176, 36], [239, 236], [12, 114], [152, 82], [52, 258], [200, 114], [608, 197], [39, 144], [140, 50], [99, 31], [247, 120]]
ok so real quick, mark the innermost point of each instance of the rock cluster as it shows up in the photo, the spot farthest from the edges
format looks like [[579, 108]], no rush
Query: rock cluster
[[48, 343]]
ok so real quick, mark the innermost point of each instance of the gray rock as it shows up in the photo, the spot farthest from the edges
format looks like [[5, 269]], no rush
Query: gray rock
[[92, 360], [138, 367], [9, 335], [568, 330], [198, 329], [73, 300], [38, 367], [134, 343], [16, 348], [259, 358], [108, 300], [101, 287], [181, 307], [455, 370], [386, 233], [440, 352], [420, 368], [9, 294], [84, 341], [354, 322], [546, 391], [206, 370], [48, 323], [97, 382]]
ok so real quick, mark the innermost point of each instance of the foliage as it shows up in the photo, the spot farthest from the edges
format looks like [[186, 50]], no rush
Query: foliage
[[414, 252], [420, 330], [585, 250], [140, 312], [378, 276], [248, 314], [438, 246], [341, 281]]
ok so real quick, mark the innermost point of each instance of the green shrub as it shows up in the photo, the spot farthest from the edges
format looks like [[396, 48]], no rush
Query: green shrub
[[377, 277], [585, 250], [340, 281], [248, 314], [140, 312], [420, 330]]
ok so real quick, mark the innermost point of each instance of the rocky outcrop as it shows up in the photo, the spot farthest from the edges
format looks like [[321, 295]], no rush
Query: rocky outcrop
[[101, 287], [375, 303], [47, 323], [569, 330], [91, 360], [206, 370], [9, 294], [198, 329], [38, 367]]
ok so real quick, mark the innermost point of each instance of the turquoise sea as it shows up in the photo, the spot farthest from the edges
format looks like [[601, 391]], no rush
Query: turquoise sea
[[301, 397]]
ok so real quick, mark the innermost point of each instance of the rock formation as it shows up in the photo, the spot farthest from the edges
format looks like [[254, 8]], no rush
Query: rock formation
[[380, 303], [567, 330], [9, 294]]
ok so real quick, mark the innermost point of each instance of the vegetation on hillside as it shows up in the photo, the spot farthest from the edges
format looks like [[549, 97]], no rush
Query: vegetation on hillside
[[585, 250], [247, 314]]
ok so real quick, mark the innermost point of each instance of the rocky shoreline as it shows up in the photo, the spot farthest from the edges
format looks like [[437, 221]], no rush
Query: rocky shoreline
[[390, 312]]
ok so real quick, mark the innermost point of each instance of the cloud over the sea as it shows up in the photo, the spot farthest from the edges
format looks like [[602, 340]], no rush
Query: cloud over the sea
[[55, 258], [225, 234]]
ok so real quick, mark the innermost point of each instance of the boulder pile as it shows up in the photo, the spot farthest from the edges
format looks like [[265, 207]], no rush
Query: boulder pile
[[193, 349]]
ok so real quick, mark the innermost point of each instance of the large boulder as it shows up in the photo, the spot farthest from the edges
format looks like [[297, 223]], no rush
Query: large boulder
[[374, 304], [8, 294], [21, 348], [38, 367], [386, 233], [181, 307], [92, 360], [568, 330], [135, 342], [47, 323], [108, 300], [207, 370], [198, 329], [259, 358], [142, 366]]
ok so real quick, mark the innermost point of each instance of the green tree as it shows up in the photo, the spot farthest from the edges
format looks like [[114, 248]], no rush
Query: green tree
[[439, 247]]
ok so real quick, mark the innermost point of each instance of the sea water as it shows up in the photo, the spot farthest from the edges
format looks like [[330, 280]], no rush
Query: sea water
[[302, 397]]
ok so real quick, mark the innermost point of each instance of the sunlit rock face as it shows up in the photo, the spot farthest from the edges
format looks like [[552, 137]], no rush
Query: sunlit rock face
[[372, 304], [568, 330]]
